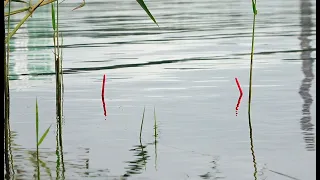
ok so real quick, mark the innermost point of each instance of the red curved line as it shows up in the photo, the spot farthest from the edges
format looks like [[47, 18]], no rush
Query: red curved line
[[240, 97], [239, 87], [102, 96]]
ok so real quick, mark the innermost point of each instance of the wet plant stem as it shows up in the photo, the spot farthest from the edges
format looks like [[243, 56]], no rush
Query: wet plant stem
[[250, 88], [7, 95]]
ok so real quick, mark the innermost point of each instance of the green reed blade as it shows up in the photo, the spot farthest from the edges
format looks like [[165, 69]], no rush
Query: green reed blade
[[44, 135], [254, 8], [37, 121], [144, 109], [53, 18], [145, 8]]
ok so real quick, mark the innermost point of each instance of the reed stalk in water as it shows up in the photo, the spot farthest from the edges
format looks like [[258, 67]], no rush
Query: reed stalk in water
[[7, 96], [250, 88], [39, 141]]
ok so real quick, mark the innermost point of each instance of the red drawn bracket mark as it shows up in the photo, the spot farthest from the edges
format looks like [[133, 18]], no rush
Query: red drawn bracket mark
[[240, 97], [102, 96]]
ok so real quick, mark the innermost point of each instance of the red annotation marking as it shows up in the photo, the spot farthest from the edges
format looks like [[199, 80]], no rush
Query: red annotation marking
[[239, 99], [102, 95]]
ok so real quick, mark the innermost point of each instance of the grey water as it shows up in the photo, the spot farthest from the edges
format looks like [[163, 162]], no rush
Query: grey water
[[186, 70]]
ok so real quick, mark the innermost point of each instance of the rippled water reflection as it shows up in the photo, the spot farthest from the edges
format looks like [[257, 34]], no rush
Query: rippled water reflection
[[186, 69]]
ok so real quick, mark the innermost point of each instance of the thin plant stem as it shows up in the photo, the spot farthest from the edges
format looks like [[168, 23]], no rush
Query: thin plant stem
[[250, 90], [251, 67], [37, 140], [23, 21], [28, 8], [251, 59], [7, 96], [144, 109]]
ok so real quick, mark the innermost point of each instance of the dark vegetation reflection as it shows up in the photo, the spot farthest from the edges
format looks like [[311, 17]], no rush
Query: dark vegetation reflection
[[139, 164], [307, 65], [9, 170], [21, 160], [252, 147], [214, 172]]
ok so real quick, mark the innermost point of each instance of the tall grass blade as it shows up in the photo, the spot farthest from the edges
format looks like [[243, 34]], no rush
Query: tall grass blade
[[37, 138], [37, 122], [251, 59], [254, 8], [53, 19], [145, 8], [250, 90], [44, 135], [61, 75], [144, 109], [7, 149]]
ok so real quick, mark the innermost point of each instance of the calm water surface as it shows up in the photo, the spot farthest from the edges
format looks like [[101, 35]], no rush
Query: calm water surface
[[186, 70]]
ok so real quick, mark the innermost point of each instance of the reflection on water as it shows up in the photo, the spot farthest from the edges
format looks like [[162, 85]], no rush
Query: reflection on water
[[307, 65], [138, 165], [252, 148], [25, 46], [214, 172], [60, 168], [8, 159], [186, 67], [24, 163]]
